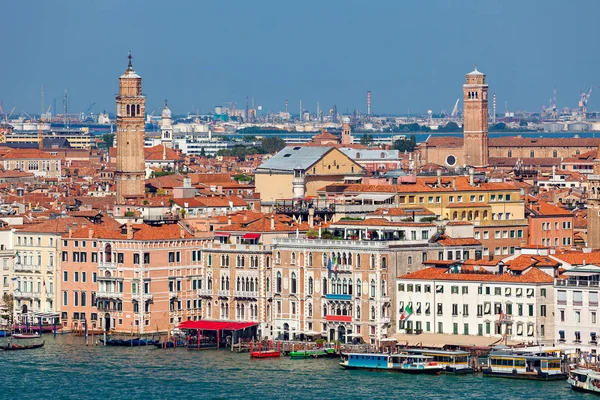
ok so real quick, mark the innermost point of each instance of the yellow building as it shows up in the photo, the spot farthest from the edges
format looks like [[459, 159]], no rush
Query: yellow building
[[298, 172]]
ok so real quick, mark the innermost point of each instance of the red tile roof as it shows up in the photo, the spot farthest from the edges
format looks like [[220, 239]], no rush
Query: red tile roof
[[534, 275]]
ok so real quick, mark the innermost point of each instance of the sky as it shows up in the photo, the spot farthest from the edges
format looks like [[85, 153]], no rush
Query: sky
[[411, 54]]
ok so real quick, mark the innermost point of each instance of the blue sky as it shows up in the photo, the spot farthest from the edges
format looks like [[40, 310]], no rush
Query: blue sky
[[198, 54]]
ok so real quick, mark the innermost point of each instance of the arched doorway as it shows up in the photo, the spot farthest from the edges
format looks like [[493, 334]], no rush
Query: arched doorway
[[286, 331], [106, 322], [342, 334]]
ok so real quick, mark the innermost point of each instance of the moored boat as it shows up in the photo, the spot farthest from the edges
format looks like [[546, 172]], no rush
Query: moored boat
[[26, 335], [406, 363], [453, 362], [269, 352], [5, 333], [524, 366], [13, 346], [585, 380]]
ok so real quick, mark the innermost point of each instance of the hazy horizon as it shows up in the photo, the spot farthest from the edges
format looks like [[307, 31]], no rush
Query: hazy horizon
[[411, 55]]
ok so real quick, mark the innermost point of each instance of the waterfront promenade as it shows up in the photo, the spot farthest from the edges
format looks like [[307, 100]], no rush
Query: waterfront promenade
[[66, 369]]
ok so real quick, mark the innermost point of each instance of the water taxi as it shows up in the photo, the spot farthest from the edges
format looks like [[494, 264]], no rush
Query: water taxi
[[585, 380], [454, 362], [524, 366], [313, 353], [406, 363], [269, 352]]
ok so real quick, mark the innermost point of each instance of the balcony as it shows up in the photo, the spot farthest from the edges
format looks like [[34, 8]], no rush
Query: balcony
[[384, 320], [577, 302], [173, 295], [27, 268], [243, 294], [147, 296], [50, 269], [109, 295], [593, 304], [577, 283], [346, 297], [385, 299], [23, 295], [561, 302], [204, 292], [49, 296], [339, 318], [223, 293], [108, 265]]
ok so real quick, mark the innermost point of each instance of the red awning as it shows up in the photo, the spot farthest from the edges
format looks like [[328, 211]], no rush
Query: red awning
[[224, 234], [207, 325], [251, 236]]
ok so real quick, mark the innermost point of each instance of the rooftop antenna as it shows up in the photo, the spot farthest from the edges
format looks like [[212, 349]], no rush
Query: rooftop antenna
[[66, 103], [42, 96]]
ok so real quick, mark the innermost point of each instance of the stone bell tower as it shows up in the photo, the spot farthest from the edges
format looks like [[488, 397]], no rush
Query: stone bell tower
[[131, 104], [593, 205], [475, 92]]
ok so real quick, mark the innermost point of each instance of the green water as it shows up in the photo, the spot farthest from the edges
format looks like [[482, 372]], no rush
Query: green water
[[66, 369]]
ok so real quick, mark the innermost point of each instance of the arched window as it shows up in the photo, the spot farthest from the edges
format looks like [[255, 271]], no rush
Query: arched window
[[350, 286], [227, 260], [293, 282], [138, 112], [383, 291], [358, 288], [237, 285], [310, 310], [344, 259], [372, 265], [310, 285], [357, 312], [222, 282], [209, 284], [554, 153], [268, 285], [372, 287], [128, 110], [324, 259], [409, 260], [372, 313], [277, 258], [293, 262], [247, 284], [324, 285], [345, 287], [222, 260], [509, 153], [268, 262], [339, 286], [358, 261], [532, 154], [383, 262], [278, 282], [310, 260], [350, 259], [227, 283], [325, 310]]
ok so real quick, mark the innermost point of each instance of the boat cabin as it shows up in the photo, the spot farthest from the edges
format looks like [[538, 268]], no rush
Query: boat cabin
[[451, 361], [526, 365]]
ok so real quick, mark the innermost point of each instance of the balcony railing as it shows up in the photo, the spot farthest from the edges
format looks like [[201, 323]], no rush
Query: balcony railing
[[577, 283], [23, 295], [385, 299], [108, 265], [147, 296], [577, 302], [109, 295], [384, 320], [338, 296], [224, 293], [339, 318], [27, 268], [245, 294], [173, 295], [561, 302], [204, 292]]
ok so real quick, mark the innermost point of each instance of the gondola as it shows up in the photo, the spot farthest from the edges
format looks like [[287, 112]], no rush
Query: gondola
[[26, 335], [12, 346]]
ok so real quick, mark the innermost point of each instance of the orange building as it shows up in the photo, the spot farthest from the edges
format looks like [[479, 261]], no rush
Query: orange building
[[549, 225]]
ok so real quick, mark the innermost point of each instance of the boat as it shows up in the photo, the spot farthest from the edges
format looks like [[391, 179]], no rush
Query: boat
[[405, 363], [270, 352], [134, 342], [13, 346], [26, 335], [5, 333], [585, 380], [452, 362], [313, 353], [169, 344], [505, 364]]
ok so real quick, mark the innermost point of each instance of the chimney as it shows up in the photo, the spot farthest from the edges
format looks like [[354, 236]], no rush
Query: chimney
[[491, 256], [129, 230], [471, 172], [90, 233], [454, 183], [272, 222], [229, 220], [70, 232], [181, 233], [311, 217], [439, 177]]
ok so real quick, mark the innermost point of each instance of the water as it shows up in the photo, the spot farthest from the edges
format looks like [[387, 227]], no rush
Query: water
[[66, 369]]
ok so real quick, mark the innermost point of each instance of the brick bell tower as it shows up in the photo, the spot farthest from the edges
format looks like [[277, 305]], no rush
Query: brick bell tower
[[475, 92], [593, 205], [131, 104]]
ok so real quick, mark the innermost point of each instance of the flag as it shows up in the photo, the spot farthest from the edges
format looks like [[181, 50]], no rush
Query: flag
[[500, 318], [406, 313], [329, 265], [16, 254]]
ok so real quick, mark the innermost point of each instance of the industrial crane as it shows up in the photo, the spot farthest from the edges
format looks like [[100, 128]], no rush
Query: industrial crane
[[455, 109], [584, 100]]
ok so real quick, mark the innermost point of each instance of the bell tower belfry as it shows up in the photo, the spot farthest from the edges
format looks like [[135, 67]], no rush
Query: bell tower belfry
[[475, 99], [593, 205], [131, 104]]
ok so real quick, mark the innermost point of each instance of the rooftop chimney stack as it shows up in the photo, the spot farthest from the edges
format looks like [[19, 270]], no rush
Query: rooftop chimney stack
[[129, 230], [471, 172], [439, 177], [272, 222]]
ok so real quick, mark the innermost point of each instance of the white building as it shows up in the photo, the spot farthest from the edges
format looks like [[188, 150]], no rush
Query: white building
[[576, 317], [515, 303]]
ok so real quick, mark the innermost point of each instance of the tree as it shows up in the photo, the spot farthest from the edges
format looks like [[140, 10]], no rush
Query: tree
[[272, 144], [406, 144], [450, 127], [202, 152], [366, 139], [7, 305], [522, 123], [109, 139]]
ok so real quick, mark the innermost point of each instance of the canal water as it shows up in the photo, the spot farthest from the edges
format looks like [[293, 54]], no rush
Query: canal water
[[66, 369]]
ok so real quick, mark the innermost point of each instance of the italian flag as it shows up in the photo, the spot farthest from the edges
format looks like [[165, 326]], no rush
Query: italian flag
[[406, 313]]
